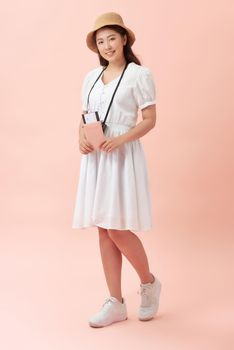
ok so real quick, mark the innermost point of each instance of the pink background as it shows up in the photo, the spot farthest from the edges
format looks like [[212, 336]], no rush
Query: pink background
[[51, 275]]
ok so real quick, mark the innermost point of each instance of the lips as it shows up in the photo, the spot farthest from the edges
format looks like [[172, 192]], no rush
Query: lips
[[110, 52]]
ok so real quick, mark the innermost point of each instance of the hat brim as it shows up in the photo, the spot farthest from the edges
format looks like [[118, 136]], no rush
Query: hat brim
[[90, 37]]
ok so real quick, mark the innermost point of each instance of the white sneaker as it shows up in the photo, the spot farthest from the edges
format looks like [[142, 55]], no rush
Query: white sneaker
[[112, 311], [150, 293]]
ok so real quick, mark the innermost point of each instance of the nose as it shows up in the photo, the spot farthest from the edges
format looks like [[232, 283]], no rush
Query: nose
[[107, 44]]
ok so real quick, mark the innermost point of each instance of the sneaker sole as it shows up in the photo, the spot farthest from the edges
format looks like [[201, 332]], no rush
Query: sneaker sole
[[95, 325], [149, 317]]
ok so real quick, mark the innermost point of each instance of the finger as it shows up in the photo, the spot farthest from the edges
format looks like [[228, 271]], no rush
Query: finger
[[103, 144], [82, 150], [107, 144], [85, 143], [85, 149], [88, 147]]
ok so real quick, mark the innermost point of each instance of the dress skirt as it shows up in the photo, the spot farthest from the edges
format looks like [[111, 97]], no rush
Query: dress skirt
[[113, 188]]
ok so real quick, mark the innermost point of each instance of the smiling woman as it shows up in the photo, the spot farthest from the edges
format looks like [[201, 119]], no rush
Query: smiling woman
[[105, 40], [113, 193]]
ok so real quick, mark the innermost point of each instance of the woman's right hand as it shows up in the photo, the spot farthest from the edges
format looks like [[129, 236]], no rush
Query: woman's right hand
[[85, 145]]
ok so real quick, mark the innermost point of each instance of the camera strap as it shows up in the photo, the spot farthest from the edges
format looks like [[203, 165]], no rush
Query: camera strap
[[113, 92]]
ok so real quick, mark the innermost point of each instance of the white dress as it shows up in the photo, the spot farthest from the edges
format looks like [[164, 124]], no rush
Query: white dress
[[113, 189]]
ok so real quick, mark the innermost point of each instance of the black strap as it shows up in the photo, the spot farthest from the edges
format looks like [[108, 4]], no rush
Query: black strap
[[113, 93], [93, 86]]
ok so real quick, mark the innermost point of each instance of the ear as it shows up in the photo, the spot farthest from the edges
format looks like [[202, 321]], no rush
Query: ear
[[125, 39]]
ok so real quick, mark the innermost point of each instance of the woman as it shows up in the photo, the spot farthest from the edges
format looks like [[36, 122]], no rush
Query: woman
[[113, 192]]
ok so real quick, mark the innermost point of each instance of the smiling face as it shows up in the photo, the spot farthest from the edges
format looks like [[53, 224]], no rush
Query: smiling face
[[110, 44]]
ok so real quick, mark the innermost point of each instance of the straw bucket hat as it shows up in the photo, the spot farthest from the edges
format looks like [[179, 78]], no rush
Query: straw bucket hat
[[106, 19]]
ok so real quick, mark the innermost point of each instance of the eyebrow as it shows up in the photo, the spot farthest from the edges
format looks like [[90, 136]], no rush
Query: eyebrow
[[107, 36]]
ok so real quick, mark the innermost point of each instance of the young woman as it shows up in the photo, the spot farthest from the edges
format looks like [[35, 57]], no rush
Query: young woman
[[113, 192]]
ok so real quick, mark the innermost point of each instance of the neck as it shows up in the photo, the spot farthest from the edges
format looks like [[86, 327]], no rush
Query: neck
[[117, 65]]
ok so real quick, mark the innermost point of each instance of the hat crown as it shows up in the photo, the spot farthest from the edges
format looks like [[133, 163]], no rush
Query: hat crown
[[108, 18]]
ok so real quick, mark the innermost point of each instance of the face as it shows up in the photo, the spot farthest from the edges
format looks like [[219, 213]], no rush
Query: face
[[110, 44]]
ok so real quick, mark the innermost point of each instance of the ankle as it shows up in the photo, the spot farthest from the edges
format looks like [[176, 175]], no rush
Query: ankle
[[151, 279], [120, 299]]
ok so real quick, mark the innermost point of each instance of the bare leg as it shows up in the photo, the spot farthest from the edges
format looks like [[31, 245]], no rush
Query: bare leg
[[130, 245], [112, 263]]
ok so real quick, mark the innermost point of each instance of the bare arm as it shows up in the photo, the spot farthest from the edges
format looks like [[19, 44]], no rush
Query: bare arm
[[148, 122]]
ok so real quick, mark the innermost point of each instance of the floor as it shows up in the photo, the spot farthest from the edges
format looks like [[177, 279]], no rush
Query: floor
[[52, 281]]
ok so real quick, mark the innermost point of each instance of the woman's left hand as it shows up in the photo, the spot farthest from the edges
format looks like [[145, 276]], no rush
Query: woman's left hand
[[112, 143]]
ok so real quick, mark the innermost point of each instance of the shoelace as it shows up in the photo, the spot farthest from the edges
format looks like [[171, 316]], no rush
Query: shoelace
[[144, 292], [107, 300]]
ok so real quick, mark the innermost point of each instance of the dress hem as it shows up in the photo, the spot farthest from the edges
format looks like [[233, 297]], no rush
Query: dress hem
[[113, 228]]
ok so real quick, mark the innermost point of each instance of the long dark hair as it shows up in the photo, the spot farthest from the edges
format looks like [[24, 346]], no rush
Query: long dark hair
[[128, 53]]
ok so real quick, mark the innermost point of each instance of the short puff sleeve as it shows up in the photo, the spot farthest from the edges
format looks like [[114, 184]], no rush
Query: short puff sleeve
[[144, 90]]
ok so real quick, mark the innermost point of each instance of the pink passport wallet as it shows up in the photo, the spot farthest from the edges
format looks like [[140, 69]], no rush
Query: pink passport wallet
[[93, 129], [94, 133]]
